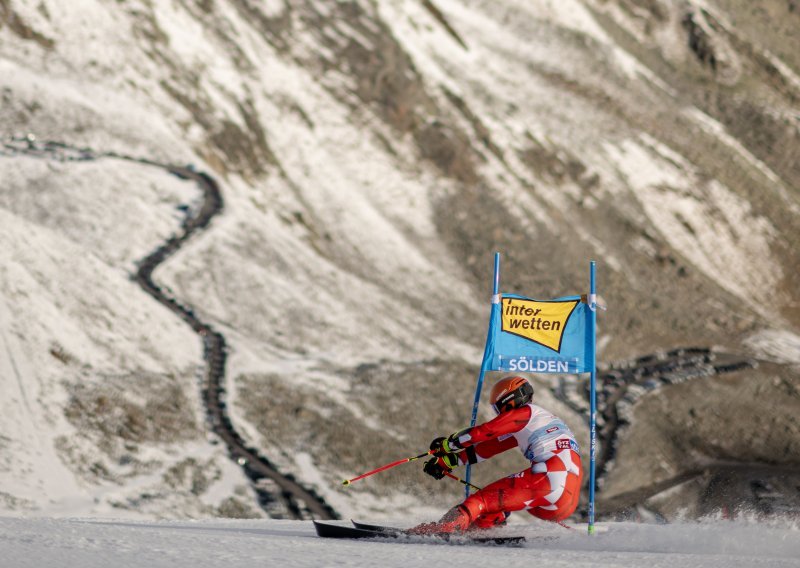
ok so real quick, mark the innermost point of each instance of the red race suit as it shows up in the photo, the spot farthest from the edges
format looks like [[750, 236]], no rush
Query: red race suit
[[549, 489]]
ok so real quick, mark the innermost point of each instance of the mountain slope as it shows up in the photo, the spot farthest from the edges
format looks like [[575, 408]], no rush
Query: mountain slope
[[373, 155]]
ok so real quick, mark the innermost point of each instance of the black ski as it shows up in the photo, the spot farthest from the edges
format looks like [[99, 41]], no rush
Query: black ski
[[364, 530], [375, 528], [385, 531], [329, 530]]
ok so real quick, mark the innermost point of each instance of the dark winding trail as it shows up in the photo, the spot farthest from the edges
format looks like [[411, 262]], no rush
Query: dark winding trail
[[621, 384], [299, 501]]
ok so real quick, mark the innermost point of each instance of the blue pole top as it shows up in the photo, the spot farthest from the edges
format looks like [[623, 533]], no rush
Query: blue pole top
[[496, 273]]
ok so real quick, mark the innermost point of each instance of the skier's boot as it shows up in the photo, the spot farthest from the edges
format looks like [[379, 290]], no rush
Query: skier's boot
[[456, 519]]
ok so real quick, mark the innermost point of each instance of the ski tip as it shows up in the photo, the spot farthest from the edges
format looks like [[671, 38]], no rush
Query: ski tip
[[346, 482]]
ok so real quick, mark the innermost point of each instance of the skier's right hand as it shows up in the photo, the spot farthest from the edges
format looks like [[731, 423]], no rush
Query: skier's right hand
[[438, 467]]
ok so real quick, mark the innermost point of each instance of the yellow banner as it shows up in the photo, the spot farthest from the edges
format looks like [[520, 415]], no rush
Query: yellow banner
[[542, 322]]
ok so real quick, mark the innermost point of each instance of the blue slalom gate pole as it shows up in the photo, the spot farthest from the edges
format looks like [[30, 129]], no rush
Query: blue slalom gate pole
[[487, 361], [592, 301]]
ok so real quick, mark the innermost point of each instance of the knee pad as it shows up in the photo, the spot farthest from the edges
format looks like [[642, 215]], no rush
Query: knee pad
[[474, 506], [490, 520]]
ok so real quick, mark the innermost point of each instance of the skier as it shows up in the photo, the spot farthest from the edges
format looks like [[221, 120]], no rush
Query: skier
[[549, 489]]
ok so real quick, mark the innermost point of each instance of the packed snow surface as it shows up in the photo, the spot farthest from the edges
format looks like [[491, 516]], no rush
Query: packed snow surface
[[372, 156], [88, 543]]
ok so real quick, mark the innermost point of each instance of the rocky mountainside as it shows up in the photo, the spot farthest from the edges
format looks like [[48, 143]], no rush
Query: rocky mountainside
[[372, 156]]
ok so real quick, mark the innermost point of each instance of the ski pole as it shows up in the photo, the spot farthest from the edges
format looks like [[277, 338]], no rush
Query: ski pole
[[387, 466], [467, 483]]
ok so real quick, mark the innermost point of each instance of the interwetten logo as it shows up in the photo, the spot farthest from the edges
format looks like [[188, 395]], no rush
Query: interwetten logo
[[541, 322]]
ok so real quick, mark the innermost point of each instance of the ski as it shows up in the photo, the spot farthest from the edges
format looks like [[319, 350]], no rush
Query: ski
[[472, 536], [375, 528], [383, 530], [364, 530], [330, 530]]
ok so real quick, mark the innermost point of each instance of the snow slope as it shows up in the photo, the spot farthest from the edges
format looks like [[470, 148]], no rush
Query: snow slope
[[86, 543]]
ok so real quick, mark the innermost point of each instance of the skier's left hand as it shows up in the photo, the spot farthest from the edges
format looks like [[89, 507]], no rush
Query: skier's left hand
[[438, 467]]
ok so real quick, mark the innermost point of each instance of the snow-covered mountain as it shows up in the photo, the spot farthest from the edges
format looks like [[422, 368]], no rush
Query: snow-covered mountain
[[372, 157]]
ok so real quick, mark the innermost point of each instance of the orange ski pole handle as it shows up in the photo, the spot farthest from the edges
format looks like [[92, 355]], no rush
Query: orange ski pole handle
[[347, 482]]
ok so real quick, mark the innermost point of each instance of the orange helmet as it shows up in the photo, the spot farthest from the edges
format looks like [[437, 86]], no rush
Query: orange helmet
[[511, 392]]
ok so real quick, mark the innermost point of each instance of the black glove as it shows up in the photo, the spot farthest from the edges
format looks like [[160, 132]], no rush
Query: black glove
[[440, 446], [436, 446], [438, 467]]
